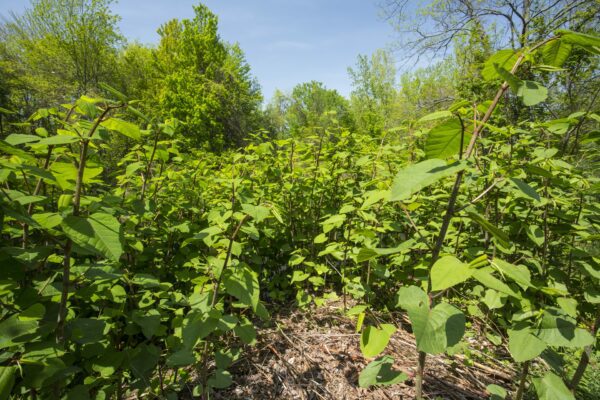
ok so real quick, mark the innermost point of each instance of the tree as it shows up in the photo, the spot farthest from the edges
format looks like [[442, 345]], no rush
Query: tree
[[275, 115], [374, 92], [426, 89], [136, 73], [511, 23], [473, 30], [310, 108], [471, 49], [61, 49], [205, 82]]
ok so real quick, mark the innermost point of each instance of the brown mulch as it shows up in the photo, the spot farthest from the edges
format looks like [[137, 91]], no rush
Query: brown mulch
[[316, 355]]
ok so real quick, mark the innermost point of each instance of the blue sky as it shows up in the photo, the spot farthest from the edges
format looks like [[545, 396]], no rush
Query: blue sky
[[286, 41]]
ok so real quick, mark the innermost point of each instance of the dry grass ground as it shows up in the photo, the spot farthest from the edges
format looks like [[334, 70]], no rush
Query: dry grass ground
[[315, 354]]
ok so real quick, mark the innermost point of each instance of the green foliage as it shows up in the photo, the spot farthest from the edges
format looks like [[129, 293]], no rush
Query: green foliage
[[435, 329], [130, 258], [205, 82], [497, 392], [374, 95], [98, 233], [447, 272], [373, 340], [447, 139], [415, 177], [310, 109], [61, 49], [380, 372], [7, 380], [551, 387]]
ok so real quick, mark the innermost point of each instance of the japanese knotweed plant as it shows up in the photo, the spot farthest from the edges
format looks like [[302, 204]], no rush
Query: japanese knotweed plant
[[128, 280], [521, 194]]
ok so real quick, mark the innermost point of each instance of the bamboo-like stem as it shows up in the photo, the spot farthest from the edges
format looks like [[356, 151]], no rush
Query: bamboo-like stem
[[62, 310], [523, 381], [149, 166], [40, 181], [215, 295], [450, 208], [584, 360], [420, 375]]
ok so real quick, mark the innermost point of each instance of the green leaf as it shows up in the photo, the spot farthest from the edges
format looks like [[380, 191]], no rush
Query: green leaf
[[16, 139], [299, 276], [221, 379], [435, 330], [5, 147], [496, 392], [295, 259], [33, 313], [246, 332], [592, 295], [561, 330], [57, 140], [525, 189], [518, 273], [494, 299], [181, 358], [366, 254], [504, 59], [444, 139], [568, 305], [490, 281], [445, 326], [556, 52], [108, 363], [7, 380], [588, 42], [48, 220], [512, 80], [258, 213], [447, 272], [197, 326], [142, 359], [436, 115], [66, 174], [380, 372], [149, 321], [536, 234], [373, 340], [524, 345], [373, 197], [12, 328], [532, 93], [552, 387], [114, 92], [87, 330], [145, 280], [79, 392], [226, 322], [497, 233], [415, 177], [242, 283], [224, 358], [99, 233], [123, 127]]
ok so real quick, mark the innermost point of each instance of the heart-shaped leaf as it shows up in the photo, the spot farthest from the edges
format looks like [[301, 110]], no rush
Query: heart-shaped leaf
[[447, 272], [436, 329], [380, 372], [373, 340]]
